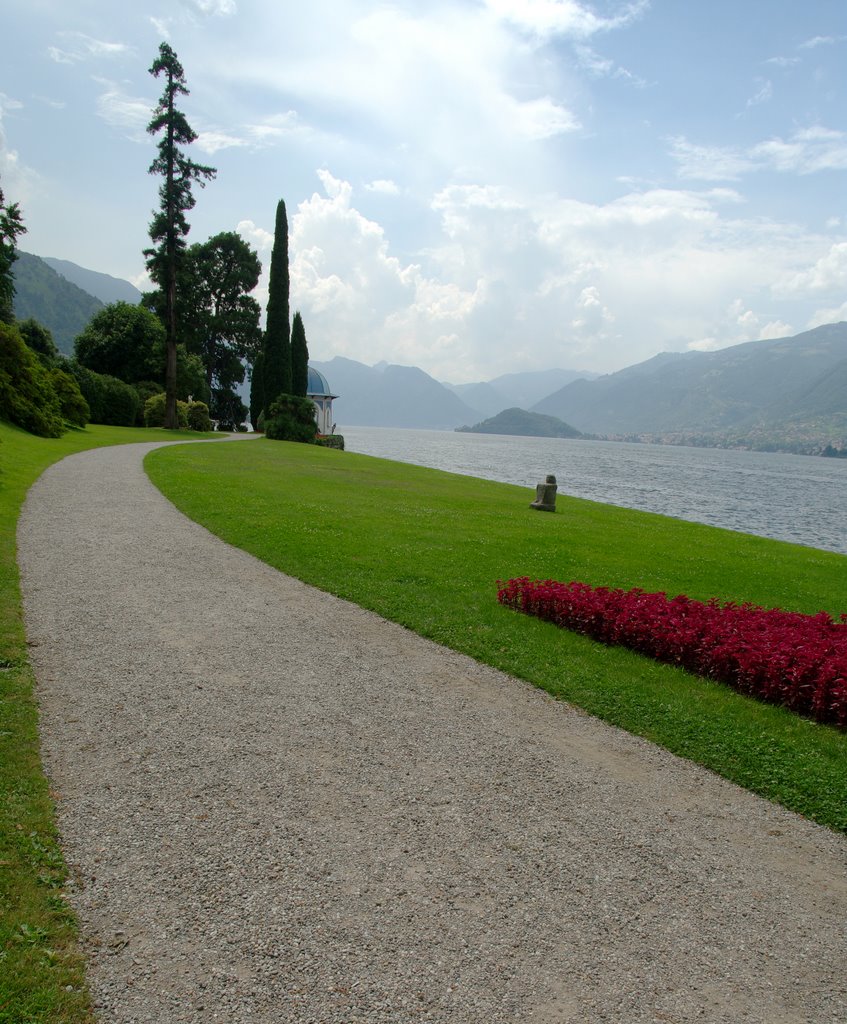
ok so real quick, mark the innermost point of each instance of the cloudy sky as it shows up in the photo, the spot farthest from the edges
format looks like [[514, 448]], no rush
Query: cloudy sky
[[473, 186]]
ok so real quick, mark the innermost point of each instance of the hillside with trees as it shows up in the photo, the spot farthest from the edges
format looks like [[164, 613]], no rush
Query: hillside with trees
[[783, 391], [44, 295], [520, 423], [102, 286]]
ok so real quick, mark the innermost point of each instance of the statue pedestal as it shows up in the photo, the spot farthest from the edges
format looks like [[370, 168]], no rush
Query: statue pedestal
[[545, 495]]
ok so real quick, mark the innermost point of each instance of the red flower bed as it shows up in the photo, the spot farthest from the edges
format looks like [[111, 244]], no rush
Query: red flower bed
[[799, 661]]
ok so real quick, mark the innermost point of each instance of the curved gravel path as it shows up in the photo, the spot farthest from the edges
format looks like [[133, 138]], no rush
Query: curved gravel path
[[280, 808]]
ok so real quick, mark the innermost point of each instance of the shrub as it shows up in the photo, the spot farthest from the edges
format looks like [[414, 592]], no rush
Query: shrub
[[146, 389], [154, 412], [198, 416], [74, 407], [798, 661], [110, 400], [120, 402], [331, 441], [291, 418], [27, 395]]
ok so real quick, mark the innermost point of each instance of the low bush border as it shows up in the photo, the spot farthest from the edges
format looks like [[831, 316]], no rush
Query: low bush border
[[787, 658]]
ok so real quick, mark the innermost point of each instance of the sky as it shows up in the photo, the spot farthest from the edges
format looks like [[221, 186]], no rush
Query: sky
[[475, 187]]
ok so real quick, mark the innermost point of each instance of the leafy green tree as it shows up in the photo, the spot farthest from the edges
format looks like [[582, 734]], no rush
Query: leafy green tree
[[190, 377], [123, 341], [228, 409], [169, 226], [27, 395], [38, 338], [216, 316], [299, 357], [277, 347], [11, 226]]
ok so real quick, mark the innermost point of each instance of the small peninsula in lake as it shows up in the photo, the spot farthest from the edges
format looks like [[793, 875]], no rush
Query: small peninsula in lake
[[521, 423]]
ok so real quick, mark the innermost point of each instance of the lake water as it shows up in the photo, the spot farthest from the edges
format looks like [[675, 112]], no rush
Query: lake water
[[797, 498]]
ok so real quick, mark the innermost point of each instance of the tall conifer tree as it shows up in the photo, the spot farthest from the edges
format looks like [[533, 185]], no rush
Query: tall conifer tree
[[11, 225], [299, 357], [276, 364], [169, 226]]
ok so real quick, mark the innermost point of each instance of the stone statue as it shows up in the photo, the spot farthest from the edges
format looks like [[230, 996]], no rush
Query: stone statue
[[545, 495]]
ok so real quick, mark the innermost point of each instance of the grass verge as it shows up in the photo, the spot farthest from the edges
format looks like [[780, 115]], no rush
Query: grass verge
[[41, 969], [425, 549]]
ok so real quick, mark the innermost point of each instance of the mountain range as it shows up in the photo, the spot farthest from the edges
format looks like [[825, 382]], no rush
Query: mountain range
[[789, 385], [387, 395], [788, 393]]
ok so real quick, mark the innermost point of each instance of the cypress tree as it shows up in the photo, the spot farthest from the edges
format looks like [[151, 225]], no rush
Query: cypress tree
[[276, 368], [257, 390], [299, 357]]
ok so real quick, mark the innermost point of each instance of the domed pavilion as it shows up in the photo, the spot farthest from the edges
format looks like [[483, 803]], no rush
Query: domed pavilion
[[318, 390]]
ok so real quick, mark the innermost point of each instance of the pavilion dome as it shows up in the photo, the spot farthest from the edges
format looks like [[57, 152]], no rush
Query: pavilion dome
[[316, 384]]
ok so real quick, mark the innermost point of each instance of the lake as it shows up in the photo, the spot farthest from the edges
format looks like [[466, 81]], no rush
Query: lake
[[796, 498]]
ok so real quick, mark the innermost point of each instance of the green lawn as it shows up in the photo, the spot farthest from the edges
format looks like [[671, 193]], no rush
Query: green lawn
[[41, 971], [426, 549]]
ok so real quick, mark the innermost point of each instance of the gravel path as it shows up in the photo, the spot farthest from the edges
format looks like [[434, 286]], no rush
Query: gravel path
[[280, 808]]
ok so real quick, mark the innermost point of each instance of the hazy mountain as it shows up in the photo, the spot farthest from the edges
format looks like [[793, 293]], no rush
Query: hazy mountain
[[391, 396], [102, 286], [733, 389], [510, 390], [482, 396], [528, 387], [52, 300], [825, 396], [520, 423]]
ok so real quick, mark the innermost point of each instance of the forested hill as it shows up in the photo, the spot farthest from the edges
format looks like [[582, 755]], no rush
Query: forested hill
[[102, 286], [520, 423], [777, 386], [52, 300]]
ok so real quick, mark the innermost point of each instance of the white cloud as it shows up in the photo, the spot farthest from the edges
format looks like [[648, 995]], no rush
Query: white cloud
[[119, 110], [161, 27], [562, 17], [259, 238], [828, 315], [18, 181], [9, 103], [829, 273], [604, 67], [783, 62], [762, 95], [211, 141], [384, 187], [77, 46], [738, 325], [360, 300], [215, 8], [816, 41], [276, 126], [808, 151], [709, 163]]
